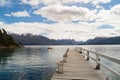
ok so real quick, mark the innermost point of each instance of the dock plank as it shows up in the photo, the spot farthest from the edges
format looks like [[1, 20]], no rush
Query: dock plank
[[77, 68]]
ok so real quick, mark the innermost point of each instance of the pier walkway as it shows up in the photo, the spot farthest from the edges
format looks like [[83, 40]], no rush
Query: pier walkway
[[77, 68]]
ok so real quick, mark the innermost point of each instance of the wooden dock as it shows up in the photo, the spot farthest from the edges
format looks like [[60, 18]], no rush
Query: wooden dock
[[77, 68]]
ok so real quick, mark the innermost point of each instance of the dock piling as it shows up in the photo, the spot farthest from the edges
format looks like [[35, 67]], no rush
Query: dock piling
[[60, 67], [80, 51], [87, 56], [98, 64], [64, 58]]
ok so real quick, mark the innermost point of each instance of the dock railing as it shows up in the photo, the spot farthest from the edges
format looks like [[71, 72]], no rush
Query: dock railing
[[87, 53]]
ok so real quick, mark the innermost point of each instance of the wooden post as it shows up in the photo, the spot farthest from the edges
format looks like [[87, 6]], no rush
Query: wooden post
[[97, 63], [87, 55], [67, 50], [60, 67], [64, 58], [66, 55], [83, 53], [96, 59], [80, 51]]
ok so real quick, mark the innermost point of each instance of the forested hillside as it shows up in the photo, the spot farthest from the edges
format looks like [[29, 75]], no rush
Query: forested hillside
[[6, 40]]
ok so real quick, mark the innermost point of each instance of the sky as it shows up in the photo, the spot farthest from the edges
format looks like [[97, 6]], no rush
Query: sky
[[62, 19]]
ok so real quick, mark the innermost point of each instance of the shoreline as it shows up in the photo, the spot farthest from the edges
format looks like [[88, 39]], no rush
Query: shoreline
[[21, 46]]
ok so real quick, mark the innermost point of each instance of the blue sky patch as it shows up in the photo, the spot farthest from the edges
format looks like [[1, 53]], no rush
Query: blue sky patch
[[105, 27]]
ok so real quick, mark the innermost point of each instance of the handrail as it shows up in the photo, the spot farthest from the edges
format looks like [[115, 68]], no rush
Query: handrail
[[105, 56], [110, 69], [98, 59], [106, 66]]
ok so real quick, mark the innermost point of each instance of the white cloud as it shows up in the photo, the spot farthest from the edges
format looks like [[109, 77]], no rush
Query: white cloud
[[80, 31], [116, 10], [5, 3], [19, 14], [7, 15], [65, 13], [99, 7], [56, 11], [31, 2], [109, 17], [95, 2], [86, 1], [37, 2], [48, 2]]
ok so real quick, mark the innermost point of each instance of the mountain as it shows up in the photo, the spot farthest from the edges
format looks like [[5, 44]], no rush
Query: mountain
[[29, 39], [6, 40], [104, 40]]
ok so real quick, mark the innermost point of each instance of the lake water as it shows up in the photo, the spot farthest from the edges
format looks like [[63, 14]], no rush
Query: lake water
[[39, 63]]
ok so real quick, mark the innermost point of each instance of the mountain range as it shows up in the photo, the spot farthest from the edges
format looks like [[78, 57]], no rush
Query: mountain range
[[104, 40], [30, 39], [9, 40]]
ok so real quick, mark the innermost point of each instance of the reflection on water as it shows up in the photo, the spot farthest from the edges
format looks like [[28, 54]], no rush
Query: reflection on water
[[39, 63], [5, 54]]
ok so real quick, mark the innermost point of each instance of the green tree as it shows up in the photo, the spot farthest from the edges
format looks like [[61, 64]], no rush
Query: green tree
[[6, 40]]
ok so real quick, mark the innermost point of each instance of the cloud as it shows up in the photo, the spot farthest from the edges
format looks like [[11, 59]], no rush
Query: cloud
[[95, 2], [37, 2], [7, 14], [65, 13], [80, 31], [5, 3], [86, 1], [109, 17], [31, 2], [116, 10], [19, 14], [48, 2], [91, 22]]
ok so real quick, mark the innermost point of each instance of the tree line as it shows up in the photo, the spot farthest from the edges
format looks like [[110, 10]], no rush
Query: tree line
[[6, 40]]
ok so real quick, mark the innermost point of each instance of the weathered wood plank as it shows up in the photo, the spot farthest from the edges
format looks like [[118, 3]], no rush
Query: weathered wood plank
[[77, 68]]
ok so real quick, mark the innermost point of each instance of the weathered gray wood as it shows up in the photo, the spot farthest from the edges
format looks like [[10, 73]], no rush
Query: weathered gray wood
[[77, 68]]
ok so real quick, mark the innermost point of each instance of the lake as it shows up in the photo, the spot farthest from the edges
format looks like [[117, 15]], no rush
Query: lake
[[39, 63]]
